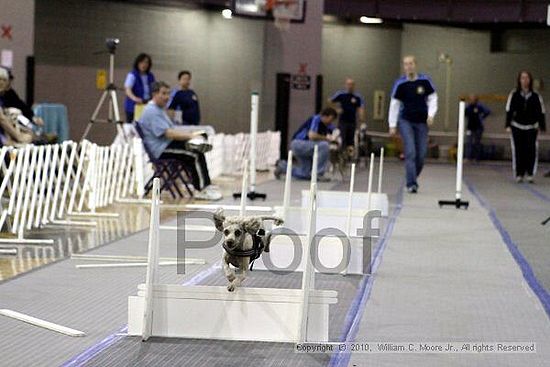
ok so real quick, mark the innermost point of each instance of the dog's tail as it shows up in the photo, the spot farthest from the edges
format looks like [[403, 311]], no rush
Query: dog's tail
[[278, 220]]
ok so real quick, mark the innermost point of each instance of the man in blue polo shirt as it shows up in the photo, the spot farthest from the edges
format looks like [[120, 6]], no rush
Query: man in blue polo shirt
[[352, 107], [412, 109], [315, 131], [164, 141], [186, 101]]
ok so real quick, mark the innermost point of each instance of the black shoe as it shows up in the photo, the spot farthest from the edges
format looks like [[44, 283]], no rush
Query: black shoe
[[278, 170], [198, 147], [412, 190]]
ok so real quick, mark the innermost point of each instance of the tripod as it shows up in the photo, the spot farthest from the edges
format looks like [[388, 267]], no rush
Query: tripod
[[546, 221], [108, 93]]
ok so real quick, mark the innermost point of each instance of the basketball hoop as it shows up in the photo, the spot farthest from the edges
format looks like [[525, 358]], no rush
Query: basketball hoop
[[283, 12]]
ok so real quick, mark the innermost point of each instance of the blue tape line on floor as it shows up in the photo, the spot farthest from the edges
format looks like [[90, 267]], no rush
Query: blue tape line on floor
[[526, 269], [526, 186], [357, 308], [96, 349]]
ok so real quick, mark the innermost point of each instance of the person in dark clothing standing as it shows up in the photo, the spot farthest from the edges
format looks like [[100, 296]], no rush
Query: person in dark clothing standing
[[352, 107], [525, 116], [475, 112], [138, 85], [186, 101], [413, 107]]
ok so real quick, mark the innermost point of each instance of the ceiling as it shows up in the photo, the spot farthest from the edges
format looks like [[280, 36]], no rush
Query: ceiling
[[458, 12]]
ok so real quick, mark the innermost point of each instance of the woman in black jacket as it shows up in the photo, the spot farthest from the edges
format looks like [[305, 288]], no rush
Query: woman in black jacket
[[525, 116]]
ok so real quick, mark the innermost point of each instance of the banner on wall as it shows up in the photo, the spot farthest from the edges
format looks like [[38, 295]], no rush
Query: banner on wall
[[101, 79], [379, 104]]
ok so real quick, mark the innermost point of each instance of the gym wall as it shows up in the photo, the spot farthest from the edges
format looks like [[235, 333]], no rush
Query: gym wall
[[369, 55], [475, 68], [225, 57], [19, 15], [372, 55]]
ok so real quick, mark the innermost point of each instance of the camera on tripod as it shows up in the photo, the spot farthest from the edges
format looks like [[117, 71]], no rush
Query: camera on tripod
[[111, 44], [109, 94]]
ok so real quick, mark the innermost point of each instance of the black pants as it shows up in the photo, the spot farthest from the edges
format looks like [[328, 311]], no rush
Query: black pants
[[194, 163], [524, 149], [473, 144], [347, 130], [129, 117]]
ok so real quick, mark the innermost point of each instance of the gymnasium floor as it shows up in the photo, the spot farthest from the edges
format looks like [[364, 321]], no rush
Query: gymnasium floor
[[441, 275]]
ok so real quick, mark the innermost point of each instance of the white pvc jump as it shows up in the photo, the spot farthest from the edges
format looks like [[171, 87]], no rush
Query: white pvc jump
[[360, 200], [330, 253], [209, 312], [344, 211]]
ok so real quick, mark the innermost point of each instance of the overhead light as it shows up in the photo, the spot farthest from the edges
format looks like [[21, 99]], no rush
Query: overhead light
[[227, 13], [370, 20]]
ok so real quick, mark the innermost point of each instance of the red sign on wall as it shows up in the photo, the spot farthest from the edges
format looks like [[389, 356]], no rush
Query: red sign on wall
[[301, 81], [6, 31]]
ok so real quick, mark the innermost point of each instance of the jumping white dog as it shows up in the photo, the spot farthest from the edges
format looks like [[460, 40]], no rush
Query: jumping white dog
[[244, 241]]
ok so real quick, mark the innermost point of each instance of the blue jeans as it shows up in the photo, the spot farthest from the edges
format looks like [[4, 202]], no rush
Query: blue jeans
[[302, 150], [415, 141]]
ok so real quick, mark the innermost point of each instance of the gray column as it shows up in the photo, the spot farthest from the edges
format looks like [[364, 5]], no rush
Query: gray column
[[284, 52]]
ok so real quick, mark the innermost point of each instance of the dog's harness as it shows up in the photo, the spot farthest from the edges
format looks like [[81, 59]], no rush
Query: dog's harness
[[253, 253]]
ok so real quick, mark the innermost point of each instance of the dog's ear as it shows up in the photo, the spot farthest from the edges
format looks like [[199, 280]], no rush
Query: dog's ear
[[252, 225], [219, 218]]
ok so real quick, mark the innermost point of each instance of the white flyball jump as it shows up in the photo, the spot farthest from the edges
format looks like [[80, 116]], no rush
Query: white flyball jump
[[211, 312], [331, 213], [361, 200], [458, 202]]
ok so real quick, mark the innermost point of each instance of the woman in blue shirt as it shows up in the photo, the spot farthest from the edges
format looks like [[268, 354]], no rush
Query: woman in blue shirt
[[138, 85]]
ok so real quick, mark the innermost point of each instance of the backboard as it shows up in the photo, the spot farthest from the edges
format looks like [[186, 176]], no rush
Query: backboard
[[260, 9]]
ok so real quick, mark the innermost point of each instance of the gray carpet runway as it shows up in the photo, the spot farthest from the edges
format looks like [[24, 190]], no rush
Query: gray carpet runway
[[130, 351], [445, 275]]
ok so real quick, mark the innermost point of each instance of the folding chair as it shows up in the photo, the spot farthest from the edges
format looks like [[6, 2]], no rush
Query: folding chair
[[168, 170]]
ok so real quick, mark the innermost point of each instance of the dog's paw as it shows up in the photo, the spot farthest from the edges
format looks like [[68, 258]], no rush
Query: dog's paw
[[279, 221], [231, 277], [231, 287]]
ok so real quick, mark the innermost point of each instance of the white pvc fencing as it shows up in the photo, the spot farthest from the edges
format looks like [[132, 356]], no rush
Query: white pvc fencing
[[41, 185], [230, 151]]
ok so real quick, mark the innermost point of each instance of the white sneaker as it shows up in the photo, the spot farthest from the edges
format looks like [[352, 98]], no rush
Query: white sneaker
[[208, 194], [530, 179]]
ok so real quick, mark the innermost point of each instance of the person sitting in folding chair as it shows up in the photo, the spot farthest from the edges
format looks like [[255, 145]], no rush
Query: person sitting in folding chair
[[166, 142]]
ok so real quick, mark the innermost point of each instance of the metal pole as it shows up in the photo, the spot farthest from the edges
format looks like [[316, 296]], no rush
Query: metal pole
[[314, 164], [288, 181], [350, 199], [381, 170], [369, 191], [243, 188], [253, 136], [460, 150]]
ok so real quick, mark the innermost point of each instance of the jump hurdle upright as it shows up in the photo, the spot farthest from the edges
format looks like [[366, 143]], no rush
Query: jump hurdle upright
[[211, 312], [361, 200], [345, 220]]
